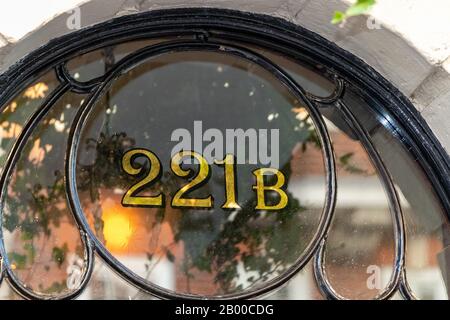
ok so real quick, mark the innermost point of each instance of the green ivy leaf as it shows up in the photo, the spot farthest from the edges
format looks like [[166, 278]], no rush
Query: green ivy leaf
[[360, 7], [338, 17], [59, 254], [345, 159]]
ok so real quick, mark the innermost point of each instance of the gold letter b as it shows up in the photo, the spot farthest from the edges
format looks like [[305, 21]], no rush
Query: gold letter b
[[261, 189]]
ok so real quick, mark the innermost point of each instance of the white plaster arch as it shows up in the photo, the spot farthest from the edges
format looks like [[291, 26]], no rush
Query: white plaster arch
[[414, 58]]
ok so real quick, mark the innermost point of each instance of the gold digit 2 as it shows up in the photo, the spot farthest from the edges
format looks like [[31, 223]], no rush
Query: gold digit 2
[[200, 179], [130, 199]]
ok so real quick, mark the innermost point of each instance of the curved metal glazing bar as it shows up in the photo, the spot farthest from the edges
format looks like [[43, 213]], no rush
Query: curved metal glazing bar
[[396, 212], [1, 268], [12, 158], [77, 86], [335, 96], [285, 79], [405, 290]]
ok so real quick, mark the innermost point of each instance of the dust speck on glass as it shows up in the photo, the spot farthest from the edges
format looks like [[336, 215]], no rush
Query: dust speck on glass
[[361, 218]]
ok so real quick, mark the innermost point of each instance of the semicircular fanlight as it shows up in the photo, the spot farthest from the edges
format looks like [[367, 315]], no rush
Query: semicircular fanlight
[[210, 165]]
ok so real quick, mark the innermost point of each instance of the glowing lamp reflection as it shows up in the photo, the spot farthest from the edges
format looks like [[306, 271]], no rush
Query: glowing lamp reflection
[[117, 229]]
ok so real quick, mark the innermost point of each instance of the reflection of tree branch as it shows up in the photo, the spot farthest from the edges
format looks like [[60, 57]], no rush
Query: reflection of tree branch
[[28, 278], [154, 264], [242, 240], [265, 275]]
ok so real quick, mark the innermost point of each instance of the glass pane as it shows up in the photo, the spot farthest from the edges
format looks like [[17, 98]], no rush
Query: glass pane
[[311, 80], [360, 247], [93, 64], [107, 285], [41, 239], [427, 225], [20, 109], [205, 252]]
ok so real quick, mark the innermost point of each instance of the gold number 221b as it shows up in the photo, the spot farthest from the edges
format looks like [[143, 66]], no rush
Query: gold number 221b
[[201, 177]]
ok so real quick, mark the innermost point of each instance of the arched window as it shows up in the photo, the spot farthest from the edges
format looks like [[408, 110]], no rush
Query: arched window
[[215, 154]]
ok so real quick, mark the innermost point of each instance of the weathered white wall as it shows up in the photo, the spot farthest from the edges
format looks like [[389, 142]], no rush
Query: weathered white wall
[[407, 41]]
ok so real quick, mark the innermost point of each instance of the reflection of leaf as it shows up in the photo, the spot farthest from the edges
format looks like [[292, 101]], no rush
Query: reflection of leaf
[[345, 162], [203, 263], [55, 287], [10, 222], [59, 254], [346, 158], [170, 256], [18, 259], [31, 251]]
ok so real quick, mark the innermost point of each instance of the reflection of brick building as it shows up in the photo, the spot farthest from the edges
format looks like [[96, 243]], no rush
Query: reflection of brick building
[[362, 233]]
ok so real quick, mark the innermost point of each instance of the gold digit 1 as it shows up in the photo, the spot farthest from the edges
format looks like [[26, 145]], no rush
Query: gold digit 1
[[230, 182], [201, 178], [130, 198], [261, 189]]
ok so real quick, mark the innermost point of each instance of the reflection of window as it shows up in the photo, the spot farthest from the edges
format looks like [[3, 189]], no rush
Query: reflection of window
[[139, 93]]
